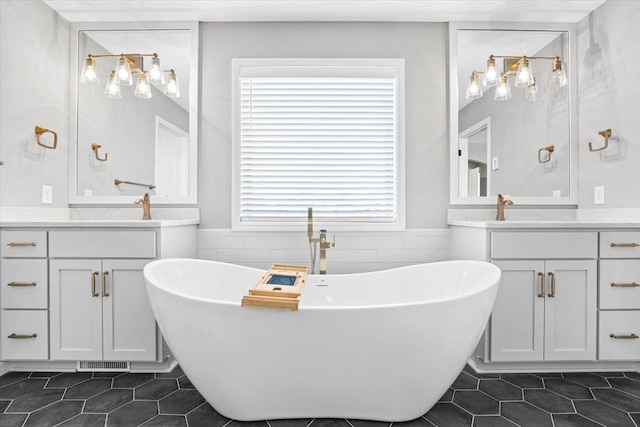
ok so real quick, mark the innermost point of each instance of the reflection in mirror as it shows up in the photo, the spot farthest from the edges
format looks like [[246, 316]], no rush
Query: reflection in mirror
[[474, 145], [146, 128], [498, 130]]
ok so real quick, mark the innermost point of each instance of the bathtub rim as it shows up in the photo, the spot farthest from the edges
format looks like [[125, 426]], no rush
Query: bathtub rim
[[490, 283]]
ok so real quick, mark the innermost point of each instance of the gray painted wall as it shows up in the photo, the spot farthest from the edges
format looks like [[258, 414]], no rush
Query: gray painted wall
[[609, 97], [34, 79], [422, 45], [32, 36]]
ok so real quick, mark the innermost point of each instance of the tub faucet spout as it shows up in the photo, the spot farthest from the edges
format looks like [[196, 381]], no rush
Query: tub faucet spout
[[324, 245], [322, 240], [501, 204]]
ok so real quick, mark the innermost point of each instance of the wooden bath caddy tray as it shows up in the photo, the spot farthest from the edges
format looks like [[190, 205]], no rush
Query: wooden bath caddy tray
[[279, 288]]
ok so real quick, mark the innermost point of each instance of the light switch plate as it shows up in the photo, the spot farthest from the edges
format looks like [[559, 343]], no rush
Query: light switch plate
[[494, 163], [47, 194], [598, 195]]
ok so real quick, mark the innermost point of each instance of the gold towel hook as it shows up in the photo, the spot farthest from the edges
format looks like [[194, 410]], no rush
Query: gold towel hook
[[550, 149], [606, 134], [95, 147], [40, 131]]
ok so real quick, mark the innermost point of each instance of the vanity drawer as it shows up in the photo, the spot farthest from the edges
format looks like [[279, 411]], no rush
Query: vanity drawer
[[620, 284], [23, 244], [625, 325], [102, 244], [23, 283], [29, 334], [544, 244], [620, 244]]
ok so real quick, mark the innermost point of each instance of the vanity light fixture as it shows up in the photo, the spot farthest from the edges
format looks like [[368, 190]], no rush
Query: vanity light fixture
[[503, 90], [474, 89], [172, 89], [127, 65], [112, 90], [520, 67], [143, 88]]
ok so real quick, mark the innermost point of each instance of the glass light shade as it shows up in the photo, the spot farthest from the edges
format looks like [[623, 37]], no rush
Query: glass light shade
[[531, 92], [172, 89], [113, 89], [123, 72], [474, 90], [143, 88], [524, 75], [503, 91], [155, 74], [558, 77], [491, 75], [88, 75]]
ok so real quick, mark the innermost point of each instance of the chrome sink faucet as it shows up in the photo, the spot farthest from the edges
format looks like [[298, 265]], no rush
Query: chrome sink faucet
[[146, 206], [501, 204], [322, 240]]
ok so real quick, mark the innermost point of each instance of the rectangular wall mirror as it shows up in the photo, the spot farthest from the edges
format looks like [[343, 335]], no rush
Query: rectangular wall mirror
[[514, 134], [131, 137]]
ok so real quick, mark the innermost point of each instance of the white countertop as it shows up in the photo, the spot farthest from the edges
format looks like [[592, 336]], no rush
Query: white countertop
[[544, 224], [96, 217], [546, 218]]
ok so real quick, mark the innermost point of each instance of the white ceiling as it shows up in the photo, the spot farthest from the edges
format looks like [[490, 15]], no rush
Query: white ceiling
[[556, 11]]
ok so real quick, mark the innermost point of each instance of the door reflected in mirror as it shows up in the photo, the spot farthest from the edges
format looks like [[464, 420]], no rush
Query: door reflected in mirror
[[499, 131], [474, 158]]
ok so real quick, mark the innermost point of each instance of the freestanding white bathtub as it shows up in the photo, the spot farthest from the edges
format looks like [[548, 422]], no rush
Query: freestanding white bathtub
[[375, 346]]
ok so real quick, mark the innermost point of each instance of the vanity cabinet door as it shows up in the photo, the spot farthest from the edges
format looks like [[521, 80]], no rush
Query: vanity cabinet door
[[100, 311], [129, 325], [75, 310], [517, 320], [570, 310]]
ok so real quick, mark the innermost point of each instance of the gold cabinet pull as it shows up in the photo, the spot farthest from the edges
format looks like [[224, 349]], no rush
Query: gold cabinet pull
[[104, 284], [21, 337], [624, 337], [553, 284], [21, 244], [93, 284], [21, 284], [624, 245], [542, 287], [624, 285]]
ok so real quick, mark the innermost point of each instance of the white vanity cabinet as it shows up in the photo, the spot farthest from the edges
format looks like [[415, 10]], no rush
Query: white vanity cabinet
[[99, 308], [546, 308], [24, 331], [589, 320], [77, 294], [100, 311], [619, 314]]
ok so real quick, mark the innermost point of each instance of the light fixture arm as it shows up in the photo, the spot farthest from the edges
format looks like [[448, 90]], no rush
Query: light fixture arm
[[126, 55]]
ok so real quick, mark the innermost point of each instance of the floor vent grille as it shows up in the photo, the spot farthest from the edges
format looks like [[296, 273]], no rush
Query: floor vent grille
[[90, 366]]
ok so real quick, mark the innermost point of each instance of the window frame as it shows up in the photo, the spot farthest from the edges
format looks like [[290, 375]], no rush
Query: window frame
[[331, 67]]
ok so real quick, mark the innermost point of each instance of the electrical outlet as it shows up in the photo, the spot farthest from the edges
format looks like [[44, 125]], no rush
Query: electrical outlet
[[494, 163], [47, 194], [557, 193], [598, 195]]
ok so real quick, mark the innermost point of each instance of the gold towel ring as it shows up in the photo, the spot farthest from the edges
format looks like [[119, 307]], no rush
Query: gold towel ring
[[95, 147], [606, 134], [549, 149], [40, 131]]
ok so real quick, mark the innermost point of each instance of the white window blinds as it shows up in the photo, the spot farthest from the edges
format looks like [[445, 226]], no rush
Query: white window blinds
[[330, 143]]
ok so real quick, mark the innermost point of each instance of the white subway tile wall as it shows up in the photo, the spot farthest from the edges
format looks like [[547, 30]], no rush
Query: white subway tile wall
[[355, 252]]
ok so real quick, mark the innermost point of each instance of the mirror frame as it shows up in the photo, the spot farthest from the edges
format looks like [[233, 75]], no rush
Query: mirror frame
[[570, 69], [194, 102]]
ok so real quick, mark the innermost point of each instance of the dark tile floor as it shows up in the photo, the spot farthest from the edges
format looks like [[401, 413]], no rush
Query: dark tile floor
[[115, 399]]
